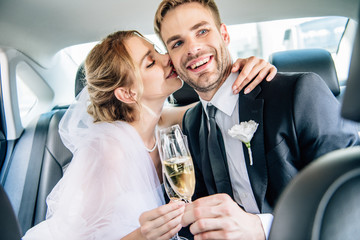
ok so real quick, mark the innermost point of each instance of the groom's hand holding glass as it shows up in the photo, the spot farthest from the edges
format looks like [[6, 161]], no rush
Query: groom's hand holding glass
[[219, 217]]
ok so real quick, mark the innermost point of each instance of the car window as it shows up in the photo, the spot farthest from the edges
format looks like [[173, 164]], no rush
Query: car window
[[320, 33], [26, 98], [33, 94], [263, 38]]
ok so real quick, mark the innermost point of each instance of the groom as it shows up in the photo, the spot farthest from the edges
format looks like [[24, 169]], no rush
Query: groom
[[298, 120]]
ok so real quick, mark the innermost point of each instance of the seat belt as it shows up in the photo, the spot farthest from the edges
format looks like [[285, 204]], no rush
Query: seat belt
[[31, 186]]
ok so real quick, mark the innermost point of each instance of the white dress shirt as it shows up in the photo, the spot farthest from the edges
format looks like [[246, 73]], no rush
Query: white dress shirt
[[226, 117]]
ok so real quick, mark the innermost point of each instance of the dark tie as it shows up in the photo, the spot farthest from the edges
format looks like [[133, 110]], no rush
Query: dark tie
[[217, 155]]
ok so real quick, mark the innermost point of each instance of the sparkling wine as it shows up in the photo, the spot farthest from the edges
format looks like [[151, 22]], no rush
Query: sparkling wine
[[173, 196], [180, 173]]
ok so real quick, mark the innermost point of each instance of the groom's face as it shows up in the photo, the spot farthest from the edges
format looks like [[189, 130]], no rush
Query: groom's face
[[197, 47]]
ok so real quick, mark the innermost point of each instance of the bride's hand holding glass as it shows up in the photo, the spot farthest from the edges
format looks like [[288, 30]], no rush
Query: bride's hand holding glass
[[162, 223]]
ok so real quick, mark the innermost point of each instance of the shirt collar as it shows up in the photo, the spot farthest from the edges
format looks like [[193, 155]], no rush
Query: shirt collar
[[224, 99]]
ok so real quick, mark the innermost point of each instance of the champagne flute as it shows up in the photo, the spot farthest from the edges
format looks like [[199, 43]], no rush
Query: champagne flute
[[177, 166], [173, 196], [177, 162]]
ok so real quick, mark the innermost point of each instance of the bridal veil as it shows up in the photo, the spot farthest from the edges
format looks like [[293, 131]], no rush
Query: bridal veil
[[110, 181]]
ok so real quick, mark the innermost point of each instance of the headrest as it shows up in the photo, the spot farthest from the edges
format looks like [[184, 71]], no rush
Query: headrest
[[318, 61], [185, 95], [80, 80], [351, 102]]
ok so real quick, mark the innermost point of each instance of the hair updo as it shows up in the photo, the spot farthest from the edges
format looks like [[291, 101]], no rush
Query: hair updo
[[109, 66]]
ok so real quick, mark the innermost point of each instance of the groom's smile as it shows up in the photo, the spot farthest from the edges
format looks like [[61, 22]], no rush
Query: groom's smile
[[199, 64]]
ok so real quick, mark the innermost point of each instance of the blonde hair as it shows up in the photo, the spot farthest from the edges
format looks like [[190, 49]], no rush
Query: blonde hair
[[109, 66], [167, 5]]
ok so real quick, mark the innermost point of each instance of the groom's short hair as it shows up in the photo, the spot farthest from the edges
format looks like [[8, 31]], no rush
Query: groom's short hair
[[167, 5]]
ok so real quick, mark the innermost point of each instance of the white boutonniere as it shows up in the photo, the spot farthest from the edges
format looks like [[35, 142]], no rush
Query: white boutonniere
[[244, 132]]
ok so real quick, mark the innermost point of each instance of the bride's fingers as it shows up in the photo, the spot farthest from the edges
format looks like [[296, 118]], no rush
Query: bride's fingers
[[267, 73], [251, 67], [160, 211], [168, 230], [164, 229], [238, 64], [162, 219]]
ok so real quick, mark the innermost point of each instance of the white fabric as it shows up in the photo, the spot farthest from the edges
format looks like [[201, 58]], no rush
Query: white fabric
[[226, 117], [266, 220], [110, 181]]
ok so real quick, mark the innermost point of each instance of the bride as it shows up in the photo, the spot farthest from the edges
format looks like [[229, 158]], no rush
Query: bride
[[112, 188]]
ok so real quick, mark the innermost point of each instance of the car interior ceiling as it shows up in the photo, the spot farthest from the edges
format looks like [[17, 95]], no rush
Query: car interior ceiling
[[42, 177]]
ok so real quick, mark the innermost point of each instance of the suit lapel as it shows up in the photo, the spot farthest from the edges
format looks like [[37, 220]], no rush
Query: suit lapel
[[251, 108]]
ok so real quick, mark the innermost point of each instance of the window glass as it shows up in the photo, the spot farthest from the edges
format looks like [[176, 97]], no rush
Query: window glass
[[26, 98], [263, 38], [79, 52], [33, 93], [321, 33]]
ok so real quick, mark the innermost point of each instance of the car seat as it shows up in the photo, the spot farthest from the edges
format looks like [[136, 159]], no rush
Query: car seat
[[48, 161], [318, 61], [9, 226]]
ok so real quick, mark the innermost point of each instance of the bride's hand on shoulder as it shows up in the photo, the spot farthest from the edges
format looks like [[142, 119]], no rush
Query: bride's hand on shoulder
[[162, 222], [253, 70]]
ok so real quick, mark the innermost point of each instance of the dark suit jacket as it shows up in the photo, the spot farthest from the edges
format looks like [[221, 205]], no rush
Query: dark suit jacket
[[299, 120]]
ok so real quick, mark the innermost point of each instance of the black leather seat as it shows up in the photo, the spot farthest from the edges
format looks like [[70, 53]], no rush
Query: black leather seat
[[56, 156], [9, 226], [185, 95], [80, 80], [55, 160], [322, 202], [318, 61]]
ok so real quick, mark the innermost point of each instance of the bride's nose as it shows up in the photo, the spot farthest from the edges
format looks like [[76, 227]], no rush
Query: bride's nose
[[165, 60]]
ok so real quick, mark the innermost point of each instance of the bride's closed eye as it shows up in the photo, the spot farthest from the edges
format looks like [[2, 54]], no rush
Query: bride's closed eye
[[151, 64]]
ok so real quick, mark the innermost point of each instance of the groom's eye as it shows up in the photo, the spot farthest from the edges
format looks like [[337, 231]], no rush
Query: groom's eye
[[203, 31], [177, 44]]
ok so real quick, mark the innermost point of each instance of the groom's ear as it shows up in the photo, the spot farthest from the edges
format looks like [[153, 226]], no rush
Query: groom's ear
[[225, 34], [126, 95]]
